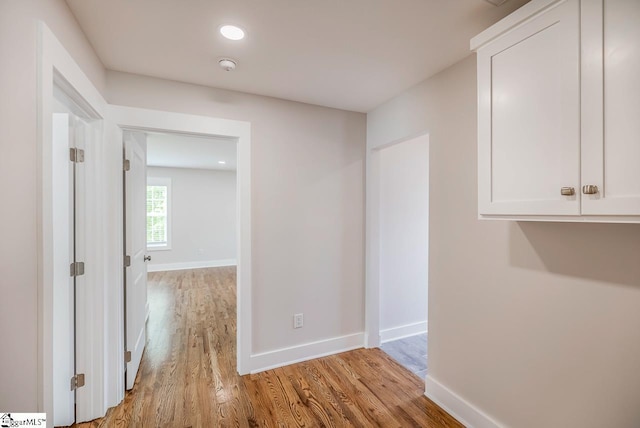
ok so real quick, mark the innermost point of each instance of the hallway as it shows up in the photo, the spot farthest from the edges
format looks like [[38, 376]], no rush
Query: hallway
[[188, 372]]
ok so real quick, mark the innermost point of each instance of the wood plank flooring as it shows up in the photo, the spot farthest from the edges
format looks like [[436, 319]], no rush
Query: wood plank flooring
[[188, 375]]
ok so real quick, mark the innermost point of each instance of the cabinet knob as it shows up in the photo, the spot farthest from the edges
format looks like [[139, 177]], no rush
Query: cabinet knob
[[589, 189], [568, 191]]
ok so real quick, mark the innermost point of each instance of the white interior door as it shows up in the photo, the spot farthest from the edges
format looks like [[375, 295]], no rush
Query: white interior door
[[77, 351], [70, 290], [83, 307], [135, 248], [63, 325]]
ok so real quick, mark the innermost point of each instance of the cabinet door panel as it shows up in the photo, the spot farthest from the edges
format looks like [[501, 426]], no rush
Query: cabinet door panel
[[611, 128], [529, 111]]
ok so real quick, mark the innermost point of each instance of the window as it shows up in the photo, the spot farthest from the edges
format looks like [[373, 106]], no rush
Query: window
[[158, 213]]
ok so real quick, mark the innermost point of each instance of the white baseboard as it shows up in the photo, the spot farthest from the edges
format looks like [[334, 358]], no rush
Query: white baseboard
[[403, 331], [190, 265], [308, 351], [466, 413]]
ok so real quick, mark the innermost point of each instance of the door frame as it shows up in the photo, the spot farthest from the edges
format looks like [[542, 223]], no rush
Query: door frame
[[55, 67], [372, 337], [139, 119]]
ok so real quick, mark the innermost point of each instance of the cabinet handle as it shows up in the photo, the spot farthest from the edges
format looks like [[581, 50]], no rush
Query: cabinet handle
[[589, 189], [567, 191]]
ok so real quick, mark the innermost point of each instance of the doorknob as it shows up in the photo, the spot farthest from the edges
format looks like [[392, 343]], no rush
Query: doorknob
[[147, 258]]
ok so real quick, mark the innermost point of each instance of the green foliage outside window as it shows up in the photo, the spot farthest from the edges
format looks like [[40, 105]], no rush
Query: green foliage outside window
[[156, 215]]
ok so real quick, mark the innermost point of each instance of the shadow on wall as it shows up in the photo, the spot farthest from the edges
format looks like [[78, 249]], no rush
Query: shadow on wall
[[601, 252]]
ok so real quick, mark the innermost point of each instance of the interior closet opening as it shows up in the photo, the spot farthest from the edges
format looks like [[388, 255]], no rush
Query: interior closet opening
[[403, 246]]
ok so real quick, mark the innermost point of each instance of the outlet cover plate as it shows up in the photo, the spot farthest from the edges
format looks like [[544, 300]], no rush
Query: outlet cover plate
[[298, 320]]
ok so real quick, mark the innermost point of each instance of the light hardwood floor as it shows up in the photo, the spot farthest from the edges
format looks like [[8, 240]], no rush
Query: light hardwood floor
[[188, 373]]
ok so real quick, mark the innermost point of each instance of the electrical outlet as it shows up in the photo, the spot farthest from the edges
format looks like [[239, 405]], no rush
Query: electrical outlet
[[298, 320]]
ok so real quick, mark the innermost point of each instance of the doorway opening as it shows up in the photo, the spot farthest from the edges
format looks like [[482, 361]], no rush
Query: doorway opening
[[191, 202], [181, 222], [154, 121], [102, 358], [399, 232], [75, 134]]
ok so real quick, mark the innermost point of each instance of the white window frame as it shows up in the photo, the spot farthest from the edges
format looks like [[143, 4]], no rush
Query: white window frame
[[162, 181]]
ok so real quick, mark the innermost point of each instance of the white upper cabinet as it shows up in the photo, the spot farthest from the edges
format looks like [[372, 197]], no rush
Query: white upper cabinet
[[529, 116], [611, 106], [559, 112]]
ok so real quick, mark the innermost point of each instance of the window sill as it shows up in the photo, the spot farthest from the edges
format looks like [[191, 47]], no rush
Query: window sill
[[159, 248]]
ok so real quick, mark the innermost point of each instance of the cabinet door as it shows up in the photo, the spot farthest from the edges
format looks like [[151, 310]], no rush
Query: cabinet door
[[529, 116], [611, 106]]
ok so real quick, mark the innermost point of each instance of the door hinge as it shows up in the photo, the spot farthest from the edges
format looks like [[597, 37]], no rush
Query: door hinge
[[77, 381], [76, 155], [126, 165], [127, 356], [76, 269], [127, 261]]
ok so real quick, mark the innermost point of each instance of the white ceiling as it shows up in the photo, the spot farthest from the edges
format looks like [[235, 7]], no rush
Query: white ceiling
[[185, 151], [348, 54]]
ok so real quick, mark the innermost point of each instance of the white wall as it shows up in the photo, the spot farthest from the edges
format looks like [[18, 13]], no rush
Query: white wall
[[203, 218], [18, 167], [307, 206], [535, 324], [404, 237]]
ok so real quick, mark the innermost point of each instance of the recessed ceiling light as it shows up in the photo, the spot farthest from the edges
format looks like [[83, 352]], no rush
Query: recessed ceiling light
[[232, 32], [222, 162]]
